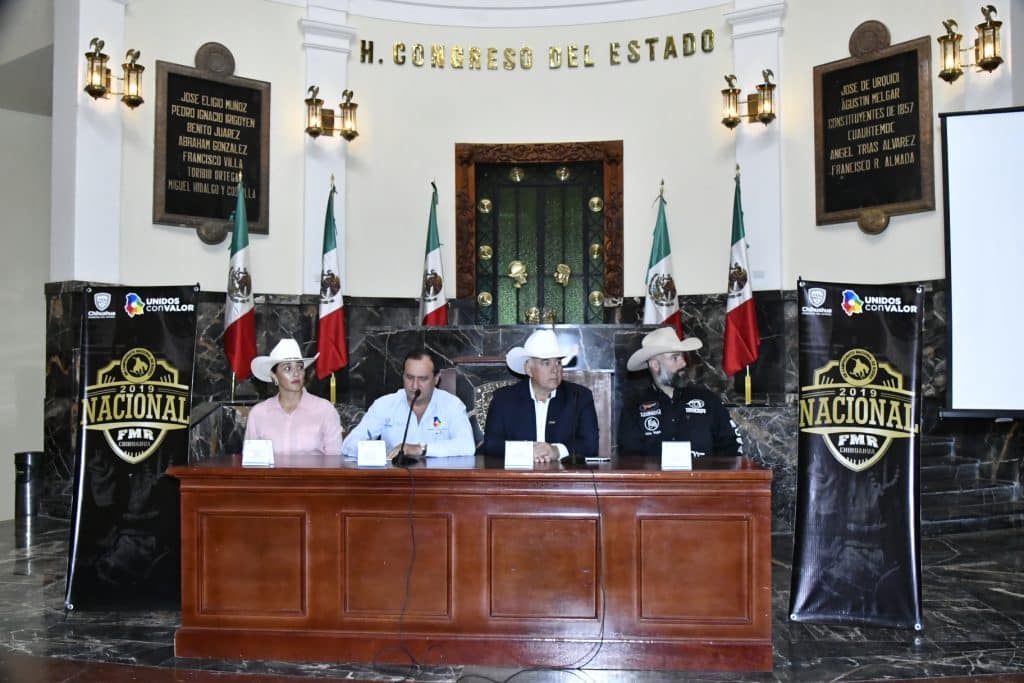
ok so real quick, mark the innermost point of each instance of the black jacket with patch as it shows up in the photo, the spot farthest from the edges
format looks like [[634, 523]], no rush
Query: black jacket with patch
[[693, 414]]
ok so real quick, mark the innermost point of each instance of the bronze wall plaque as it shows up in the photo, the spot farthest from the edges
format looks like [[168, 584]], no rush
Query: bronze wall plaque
[[873, 148], [210, 125]]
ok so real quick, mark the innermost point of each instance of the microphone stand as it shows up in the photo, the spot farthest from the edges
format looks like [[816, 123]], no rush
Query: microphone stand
[[401, 459]]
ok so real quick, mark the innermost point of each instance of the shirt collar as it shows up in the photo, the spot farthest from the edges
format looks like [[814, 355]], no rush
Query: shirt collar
[[533, 394], [302, 399]]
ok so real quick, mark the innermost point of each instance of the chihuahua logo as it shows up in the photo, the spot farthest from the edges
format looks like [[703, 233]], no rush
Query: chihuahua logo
[[859, 407], [816, 296], [662, 289], [101, 300], [135, 401]]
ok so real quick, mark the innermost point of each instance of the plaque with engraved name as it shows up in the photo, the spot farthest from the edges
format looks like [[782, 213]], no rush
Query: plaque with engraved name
[[873, 134], [211, 126]]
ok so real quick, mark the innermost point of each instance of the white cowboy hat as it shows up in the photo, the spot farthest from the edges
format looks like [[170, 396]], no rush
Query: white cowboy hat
[[661, 340], [286, 350], [540, 344]]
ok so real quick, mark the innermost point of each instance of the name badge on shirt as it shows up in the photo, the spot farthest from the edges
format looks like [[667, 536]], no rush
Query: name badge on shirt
[[695, 406], [650, 416]]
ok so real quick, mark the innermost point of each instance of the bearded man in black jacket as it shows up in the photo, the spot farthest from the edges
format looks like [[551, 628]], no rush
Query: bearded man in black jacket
[[671, 409]]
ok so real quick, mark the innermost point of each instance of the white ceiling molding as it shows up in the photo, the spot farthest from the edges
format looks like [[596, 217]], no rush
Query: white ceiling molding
[[521, 13], [752, 21]]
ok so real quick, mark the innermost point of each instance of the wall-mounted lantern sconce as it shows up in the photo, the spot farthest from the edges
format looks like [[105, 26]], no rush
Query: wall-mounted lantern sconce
[[98, 80], [987, 47], [760, 105], [320, 121]]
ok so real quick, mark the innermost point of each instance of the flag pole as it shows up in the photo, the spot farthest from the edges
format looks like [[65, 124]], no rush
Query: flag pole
[[334, 382], [747, 390]]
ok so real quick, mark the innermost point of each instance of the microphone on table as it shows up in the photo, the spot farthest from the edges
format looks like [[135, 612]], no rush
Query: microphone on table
[[401, 459]]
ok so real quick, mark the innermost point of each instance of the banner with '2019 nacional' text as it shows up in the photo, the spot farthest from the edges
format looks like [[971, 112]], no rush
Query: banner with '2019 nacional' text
[[137, 353], [857, 554]]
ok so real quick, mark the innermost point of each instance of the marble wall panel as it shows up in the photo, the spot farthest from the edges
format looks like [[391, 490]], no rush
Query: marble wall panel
[[381, 331]]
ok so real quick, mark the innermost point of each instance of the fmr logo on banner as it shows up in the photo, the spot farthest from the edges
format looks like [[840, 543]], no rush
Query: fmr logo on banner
[[135, 401], [858, 407]]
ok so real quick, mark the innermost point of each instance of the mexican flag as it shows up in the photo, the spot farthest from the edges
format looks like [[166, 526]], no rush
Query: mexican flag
[[661, 305], [433, 304], [239, 315], [741, 334], [330, 336]]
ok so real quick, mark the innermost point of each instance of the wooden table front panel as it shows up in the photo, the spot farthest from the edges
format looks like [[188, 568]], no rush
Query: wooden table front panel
[[658, 570]]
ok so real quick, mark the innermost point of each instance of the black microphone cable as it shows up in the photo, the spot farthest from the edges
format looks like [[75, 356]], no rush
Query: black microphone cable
[[401, 459], [402, 646], [576, 669]]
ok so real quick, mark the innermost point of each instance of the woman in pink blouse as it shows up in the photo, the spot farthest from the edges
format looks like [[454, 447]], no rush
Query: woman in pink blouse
[[294, 420]]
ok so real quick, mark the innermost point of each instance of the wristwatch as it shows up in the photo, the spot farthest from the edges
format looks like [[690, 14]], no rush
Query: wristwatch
[[423, 449]]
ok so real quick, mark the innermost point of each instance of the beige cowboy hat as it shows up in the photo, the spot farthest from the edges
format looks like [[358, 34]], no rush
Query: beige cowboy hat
[[661, 340], [286, 350], [540, 344]]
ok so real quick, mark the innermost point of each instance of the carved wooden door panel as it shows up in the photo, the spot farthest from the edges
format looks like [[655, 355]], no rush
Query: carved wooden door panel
[[548, 204], [539, 234]]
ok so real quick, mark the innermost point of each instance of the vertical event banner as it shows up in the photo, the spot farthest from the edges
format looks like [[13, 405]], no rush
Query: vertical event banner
[[137, 354], [857, 545]]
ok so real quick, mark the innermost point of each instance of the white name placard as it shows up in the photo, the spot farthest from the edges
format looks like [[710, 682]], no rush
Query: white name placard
[[258, 453], [519, 455], [372, 454], [676, 455]]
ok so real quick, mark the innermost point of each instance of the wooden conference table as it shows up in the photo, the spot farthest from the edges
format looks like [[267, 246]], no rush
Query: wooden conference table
[[620, 565]]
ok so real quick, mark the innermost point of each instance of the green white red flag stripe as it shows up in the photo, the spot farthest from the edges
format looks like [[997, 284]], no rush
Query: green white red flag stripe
[[433, 303], [239, 314], [742, 338], [661, 304], [330, 337]]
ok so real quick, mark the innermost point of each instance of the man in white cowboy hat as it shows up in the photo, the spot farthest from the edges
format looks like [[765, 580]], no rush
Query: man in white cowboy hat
[[670, 409], [559, 417], [294, 420], [439, 426]]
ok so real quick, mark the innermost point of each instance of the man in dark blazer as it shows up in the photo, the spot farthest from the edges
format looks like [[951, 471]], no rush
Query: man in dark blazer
[[559, 417]]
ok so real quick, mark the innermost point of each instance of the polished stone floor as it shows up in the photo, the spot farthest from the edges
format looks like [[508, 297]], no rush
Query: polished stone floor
[[973, 601]]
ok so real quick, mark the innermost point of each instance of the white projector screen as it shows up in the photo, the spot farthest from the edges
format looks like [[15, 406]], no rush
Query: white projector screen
[[984, 197]]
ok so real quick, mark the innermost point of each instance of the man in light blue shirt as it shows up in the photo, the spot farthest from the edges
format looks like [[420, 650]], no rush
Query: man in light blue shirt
[[439, 426]]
